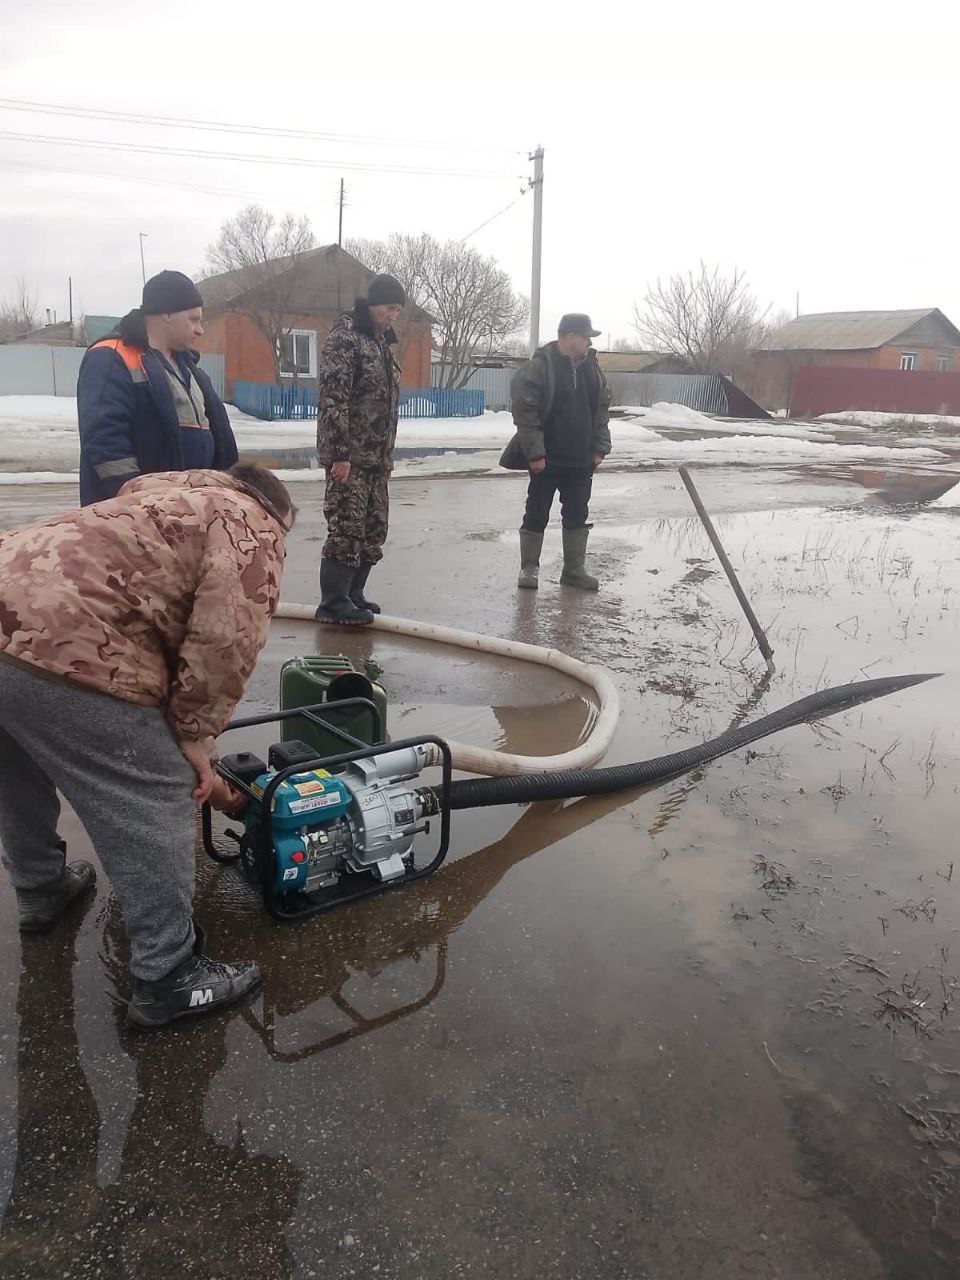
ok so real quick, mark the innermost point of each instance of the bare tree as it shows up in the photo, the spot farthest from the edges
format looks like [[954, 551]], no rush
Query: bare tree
[[471, 298], [519, 345], [767, 328], [627, 345], [267, 256], [706, 318], [18, 313]]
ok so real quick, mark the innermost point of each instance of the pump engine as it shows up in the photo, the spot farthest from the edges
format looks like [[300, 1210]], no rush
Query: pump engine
[[321, 830], [323, 825]]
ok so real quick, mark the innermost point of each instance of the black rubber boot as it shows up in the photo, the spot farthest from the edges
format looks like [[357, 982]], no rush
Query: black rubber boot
[[40, 909], [197, 985], [336, 583], [360, 601], [531, 544], [574, 554]]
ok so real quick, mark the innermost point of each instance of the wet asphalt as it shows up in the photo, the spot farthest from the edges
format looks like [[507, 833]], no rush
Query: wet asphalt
[[710, 1029]]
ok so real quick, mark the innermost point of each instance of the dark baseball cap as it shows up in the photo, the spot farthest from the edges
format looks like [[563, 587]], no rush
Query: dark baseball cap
[[577, 322]]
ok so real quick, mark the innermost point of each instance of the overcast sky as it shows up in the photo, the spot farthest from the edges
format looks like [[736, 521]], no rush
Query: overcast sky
[[812, 145]]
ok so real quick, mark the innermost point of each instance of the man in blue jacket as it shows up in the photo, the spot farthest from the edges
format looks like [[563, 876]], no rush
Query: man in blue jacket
[[143, 401]]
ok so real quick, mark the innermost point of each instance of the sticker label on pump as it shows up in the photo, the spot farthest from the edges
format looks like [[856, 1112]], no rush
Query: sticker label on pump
[[314, 802], [306, 779], [312, 787]]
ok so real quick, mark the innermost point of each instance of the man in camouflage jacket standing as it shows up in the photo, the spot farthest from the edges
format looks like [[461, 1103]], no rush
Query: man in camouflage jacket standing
[[128, 629], [359, 397]]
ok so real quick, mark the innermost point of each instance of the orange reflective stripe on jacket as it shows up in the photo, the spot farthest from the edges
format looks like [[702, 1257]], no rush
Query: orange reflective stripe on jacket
[[132, 357]]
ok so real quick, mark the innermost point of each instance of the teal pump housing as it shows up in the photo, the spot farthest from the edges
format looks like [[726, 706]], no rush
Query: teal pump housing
[[308, 826]]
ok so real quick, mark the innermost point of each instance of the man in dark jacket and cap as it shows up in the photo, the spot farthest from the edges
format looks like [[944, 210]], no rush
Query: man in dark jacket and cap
[[359, 397], [560, 403], [144, 403]]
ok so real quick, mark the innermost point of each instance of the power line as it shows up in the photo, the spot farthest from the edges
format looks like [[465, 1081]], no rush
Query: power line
[[149, 182], [223, 126], [241, 158], [493, 216]]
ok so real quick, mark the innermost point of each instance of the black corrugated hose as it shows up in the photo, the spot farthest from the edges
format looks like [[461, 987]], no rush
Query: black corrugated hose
[[475, 793]]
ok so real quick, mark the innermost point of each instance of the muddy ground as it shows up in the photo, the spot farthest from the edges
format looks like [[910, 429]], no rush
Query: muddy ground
[[705, 1030]]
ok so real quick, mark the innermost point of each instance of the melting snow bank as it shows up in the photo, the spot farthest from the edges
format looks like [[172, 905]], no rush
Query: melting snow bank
[[40, 432], [746, 449], [873, 418], [39, 477], [677, 417]]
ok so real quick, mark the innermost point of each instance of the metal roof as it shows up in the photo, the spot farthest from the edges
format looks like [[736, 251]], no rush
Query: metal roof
[[328, 279], [627, 361], [849, 330]]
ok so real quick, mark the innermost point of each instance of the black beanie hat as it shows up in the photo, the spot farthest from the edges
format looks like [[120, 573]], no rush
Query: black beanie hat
[[169, 292], [385, 291]]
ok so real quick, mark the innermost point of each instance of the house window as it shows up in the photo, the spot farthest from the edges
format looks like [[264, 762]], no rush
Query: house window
[[944, 363], [298, 354], [908, 360]]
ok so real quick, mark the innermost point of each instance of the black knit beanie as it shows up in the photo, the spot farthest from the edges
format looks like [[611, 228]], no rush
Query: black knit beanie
[[169, 292], [385, 291]]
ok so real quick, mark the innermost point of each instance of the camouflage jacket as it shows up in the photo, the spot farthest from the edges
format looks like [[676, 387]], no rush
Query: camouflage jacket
[[162, 595], [359, 394]]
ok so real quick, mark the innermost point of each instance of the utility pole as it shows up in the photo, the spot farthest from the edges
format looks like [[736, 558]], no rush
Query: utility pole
[[537, 183], [70, 297], [143, 269], [340, 226]]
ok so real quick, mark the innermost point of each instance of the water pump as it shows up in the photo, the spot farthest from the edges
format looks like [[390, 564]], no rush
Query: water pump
[[319, 831]]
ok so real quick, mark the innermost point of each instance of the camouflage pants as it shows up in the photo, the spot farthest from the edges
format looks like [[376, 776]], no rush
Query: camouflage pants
[[356, 515]]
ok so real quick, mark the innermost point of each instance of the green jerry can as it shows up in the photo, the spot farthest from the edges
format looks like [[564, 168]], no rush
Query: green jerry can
[[307, 681]]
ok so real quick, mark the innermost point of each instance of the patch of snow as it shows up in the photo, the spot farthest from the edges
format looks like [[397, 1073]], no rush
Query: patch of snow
[[493, 429], [38, 438], [874, 418], [296, 474], [745, 449], [39, 477], [45, 410], [677, 417], [942, 442]]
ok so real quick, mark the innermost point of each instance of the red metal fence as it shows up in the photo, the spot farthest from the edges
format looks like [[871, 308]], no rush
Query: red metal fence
[[823, 390]]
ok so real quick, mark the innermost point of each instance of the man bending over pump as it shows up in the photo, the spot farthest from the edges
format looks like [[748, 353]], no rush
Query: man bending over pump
[[127, 632]]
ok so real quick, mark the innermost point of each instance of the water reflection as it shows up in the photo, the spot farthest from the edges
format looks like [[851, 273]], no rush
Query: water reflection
[[181, 1202], [341, 967], [891, 487], [674, 800]]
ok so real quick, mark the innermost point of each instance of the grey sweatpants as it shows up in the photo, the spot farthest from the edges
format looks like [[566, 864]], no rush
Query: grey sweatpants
[[119, 766]]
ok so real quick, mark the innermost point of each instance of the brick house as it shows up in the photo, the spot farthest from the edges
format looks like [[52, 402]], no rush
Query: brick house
[[324, 282], [922, 341]]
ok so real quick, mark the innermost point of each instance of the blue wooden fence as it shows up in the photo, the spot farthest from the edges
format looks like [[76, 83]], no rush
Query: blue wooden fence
[[299, 401], [437, 402]]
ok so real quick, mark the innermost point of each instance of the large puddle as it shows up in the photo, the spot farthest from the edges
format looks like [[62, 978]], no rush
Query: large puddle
[[710, 1029]]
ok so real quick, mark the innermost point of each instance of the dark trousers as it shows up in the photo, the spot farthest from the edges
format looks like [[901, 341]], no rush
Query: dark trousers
[[574, 485]]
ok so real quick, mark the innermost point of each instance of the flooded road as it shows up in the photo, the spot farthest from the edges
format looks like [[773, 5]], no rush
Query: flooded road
[[710, 1029]]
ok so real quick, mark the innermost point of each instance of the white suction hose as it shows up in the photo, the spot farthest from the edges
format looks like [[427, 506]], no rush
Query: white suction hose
[[503, 763]]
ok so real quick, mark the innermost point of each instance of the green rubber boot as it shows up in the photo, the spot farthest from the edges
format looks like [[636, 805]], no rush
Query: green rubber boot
[[336, 607], [531, 544], [574, 554]]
